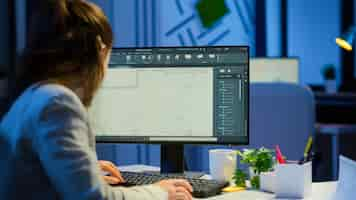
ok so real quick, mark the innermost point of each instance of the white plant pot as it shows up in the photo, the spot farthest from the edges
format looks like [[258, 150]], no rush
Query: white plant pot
[[330, 86], [267, 181]]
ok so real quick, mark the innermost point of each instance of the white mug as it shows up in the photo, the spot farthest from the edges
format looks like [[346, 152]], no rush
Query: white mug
[[222, 164]]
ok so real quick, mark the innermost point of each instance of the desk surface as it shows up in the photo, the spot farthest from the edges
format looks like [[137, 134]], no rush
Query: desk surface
[[321, 191], [335, 129]]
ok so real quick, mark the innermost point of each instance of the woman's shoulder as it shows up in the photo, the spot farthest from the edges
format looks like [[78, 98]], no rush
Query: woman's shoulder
[[50, 93], [40, 96], [38, 99]]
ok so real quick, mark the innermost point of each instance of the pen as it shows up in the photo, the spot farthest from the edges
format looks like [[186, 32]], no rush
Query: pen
[[308, 146], [279, 155], [307, 149]]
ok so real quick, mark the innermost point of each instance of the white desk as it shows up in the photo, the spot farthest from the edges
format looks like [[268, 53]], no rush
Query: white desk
[[321, 191]]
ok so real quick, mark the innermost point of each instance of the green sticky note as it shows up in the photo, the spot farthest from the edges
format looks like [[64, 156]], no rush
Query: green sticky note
[[211, 11]]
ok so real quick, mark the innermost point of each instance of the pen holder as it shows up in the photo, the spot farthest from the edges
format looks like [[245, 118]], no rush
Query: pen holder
[[293, 180], [268, 181]]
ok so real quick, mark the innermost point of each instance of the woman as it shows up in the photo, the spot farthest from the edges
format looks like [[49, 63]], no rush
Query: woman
[[47, 148]]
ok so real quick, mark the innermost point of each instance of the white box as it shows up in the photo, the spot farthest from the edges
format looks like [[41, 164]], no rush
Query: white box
[[293, 180]]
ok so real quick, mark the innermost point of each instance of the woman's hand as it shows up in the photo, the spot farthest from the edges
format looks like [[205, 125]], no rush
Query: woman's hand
[[114, 176], [178, 189]]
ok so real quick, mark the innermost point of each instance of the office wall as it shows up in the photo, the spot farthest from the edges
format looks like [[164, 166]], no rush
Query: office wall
[[180, 24], [177, 23], [354, 46], [21, 25], [312, 28], [4, 54], [4, 30], [273, 28], [135, 22]]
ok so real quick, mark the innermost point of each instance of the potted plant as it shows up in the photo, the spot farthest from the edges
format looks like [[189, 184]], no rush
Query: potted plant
[[329, 74], [259, 160]]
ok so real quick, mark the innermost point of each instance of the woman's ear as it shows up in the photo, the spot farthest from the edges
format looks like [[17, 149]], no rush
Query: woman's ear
[[107, 58], [101, 43]]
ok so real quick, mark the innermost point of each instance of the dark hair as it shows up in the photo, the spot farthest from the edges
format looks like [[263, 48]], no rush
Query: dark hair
[[65, 44]]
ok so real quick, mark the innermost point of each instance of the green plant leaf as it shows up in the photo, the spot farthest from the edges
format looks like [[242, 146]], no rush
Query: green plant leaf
[[240, 178], [260, 160], [255, 182]]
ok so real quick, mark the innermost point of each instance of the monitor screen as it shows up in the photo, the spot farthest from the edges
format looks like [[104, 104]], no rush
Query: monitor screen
[[274, 70], [180, 95]]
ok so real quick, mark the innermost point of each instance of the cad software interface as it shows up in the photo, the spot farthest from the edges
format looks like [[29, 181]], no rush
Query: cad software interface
[[191, 95]]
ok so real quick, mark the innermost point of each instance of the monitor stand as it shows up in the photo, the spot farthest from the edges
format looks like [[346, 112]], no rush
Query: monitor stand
[[172, 158], [172, 161]]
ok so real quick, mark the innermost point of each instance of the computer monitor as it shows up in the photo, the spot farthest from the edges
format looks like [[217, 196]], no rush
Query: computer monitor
[[174, 96], [274, 70]]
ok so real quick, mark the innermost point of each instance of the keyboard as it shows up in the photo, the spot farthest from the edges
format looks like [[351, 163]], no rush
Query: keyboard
[[202, 188]]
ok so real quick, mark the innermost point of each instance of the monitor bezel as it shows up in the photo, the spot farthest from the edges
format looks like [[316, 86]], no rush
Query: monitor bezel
[[114, 139]]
